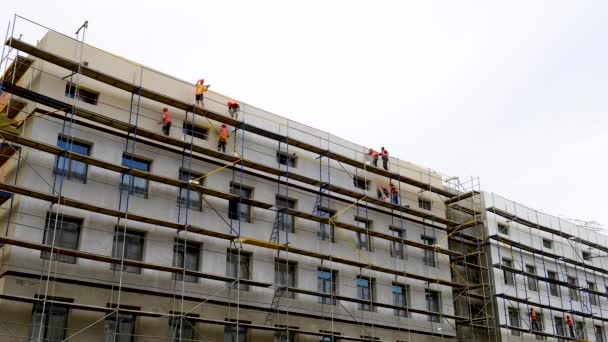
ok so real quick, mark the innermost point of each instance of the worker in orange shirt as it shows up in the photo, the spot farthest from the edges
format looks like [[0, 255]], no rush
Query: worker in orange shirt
[[570, 325], [533, 320], [384, 154], [383, 193], [201, 89], [166, 121], [222, 138], [373, 154], [233, 109], [394, 193]]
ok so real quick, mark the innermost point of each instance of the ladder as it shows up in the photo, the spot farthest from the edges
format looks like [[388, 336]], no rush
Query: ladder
[[317, 210], [279, 224], [274, 305]]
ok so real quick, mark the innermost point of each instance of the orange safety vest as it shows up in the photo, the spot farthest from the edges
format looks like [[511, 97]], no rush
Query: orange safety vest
[[166, 117], [223, 134], [232, 104], [374, 154], [533, 315]]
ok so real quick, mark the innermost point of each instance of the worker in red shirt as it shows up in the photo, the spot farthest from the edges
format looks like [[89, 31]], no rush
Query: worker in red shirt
[[222, 138], [373, 154], [384, 154], [570, 325], [233, 109], [166, 121], [394, 193], [533, 320]]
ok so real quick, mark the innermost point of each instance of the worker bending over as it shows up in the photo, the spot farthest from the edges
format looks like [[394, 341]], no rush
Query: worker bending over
[[384, 154], [383, 193], [570, 325], [201, 89], [166, 121], [222, 138], [233, 109], [533, 320], [394, 193], [373, 154]]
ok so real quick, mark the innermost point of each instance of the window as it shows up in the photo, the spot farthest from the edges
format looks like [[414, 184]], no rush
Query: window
[[424, 203], [72, 169], [579, 329], [285, 276], [586, 256], [514, 321], [553, 288], [503, 229], [540, 321], [288, 222], [119, 327], [366, 290], [131, 243], [560, 327], [326, 339], [236, 210], [66, 235], [238, 267], [54, 321], [599, 333], [326, 231], [364, 241], [361, 183], [181, 329], [189, 196], [573, 292], [547, 243], [532, 282], [195, 131], [284, 336], [429, 255], [593, 298], [137, 186], [508, 275], [81, 94], [433, 304], [234, 334], [397, 248], [192, 257], [327, 281], [283, 158], [401, 297]]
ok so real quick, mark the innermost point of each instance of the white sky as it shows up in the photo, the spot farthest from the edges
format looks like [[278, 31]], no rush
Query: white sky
[[514, 92]]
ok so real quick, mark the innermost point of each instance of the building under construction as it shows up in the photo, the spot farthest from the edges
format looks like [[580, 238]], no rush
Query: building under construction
[[114, 231]]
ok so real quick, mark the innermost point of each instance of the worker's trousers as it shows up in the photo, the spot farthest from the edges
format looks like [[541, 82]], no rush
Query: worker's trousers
[[166, 128], [221, 146]]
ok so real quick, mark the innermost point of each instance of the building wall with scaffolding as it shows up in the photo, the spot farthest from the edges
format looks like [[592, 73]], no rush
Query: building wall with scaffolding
[[96, 283], [547, 264]]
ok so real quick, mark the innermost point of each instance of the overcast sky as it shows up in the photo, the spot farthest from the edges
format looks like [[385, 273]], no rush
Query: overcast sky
[[515, 92]]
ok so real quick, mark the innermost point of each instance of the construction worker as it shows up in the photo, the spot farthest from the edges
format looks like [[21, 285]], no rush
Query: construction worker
[[166, 121], [533, 320], [374, 155], [570, 325], [222, 138], [383, 193], [394, 193], [233, 109], [384, 154], [201, 88]]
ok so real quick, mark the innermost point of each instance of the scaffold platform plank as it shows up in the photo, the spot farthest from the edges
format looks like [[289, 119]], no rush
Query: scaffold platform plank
[[17, 69]]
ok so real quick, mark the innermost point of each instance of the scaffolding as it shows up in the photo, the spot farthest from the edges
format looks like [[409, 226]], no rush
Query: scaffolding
[[461, 243]]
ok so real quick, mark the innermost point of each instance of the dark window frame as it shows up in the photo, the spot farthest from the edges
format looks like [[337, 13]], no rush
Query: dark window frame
[[236, 209], [130, 235], [245, 266], [49, 226], [199, 132], [70, 164], [424, 203], [361, 183], [194, 198], [190, 248], [284, 158], [322, 285], [128, 160], [82, 94]]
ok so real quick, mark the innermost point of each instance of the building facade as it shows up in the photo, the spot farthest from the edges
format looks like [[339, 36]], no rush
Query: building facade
[[114, 231]]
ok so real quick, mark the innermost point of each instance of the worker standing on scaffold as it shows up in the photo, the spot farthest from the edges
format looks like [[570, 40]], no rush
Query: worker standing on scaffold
[[394, 193], [373, 154], [222, 138], [533, 320], [384, 154], [233, 109], [166, 121], [570, 325], [201, 88]]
